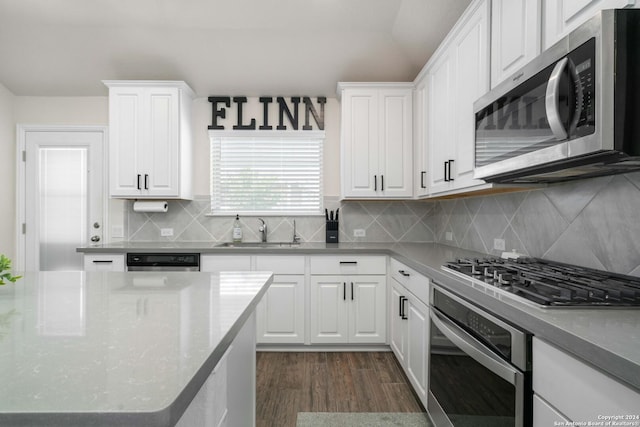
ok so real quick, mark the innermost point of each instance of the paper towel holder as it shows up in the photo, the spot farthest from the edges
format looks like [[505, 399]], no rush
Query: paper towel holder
[[152, 206]]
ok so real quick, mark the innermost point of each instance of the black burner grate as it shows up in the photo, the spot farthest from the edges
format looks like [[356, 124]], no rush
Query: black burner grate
[[552, 284]]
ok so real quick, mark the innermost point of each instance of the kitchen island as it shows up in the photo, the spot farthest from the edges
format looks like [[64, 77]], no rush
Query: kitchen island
[[101, 349]]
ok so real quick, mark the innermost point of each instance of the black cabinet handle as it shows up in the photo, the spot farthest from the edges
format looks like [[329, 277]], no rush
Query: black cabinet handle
[[102, 261], [450, 162], [351, 291], [445, 171], [422, 175], [404, 273], [382, 178], [375, 182], [402, 313], [146, 181], [348, 262], [344, 291], [139, 176]]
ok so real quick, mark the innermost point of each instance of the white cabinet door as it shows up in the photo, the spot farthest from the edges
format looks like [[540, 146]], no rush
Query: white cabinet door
[[328, 311], [348, 309], [161, 148], [420, 140], [377, 140], [125, 139], [396, 143], [516, 27], [471, 81], [440, 106], [563, 16], [280, 313], [216, 263], [367, 309], [360, 142], [150, 139], [417, 362], [398, 322]]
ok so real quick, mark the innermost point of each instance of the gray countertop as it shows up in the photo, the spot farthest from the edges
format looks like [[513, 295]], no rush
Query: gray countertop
[[72, 352], [609, 339]]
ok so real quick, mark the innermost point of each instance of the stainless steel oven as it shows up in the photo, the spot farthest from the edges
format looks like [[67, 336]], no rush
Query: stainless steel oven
[[480, 367]]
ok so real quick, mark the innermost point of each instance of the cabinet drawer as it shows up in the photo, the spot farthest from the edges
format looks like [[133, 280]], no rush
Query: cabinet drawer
[[213, 263], [415, 282], [545, 415], [279, 264], [557, 375], [104, 262], [348, 264]]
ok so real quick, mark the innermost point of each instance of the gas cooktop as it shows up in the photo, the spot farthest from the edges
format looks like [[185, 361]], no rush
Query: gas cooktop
[[550, 284]]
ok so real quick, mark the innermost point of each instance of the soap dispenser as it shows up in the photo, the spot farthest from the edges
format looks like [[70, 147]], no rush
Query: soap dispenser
[[237, 230]]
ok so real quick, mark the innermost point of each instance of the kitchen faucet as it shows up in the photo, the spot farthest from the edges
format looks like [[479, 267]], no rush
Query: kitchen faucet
[[263, 229], [296, 238]]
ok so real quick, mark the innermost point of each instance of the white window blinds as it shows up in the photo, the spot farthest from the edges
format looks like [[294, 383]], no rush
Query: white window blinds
[[267, 174]]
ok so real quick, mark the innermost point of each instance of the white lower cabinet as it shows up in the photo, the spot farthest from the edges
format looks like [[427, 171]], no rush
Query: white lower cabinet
[[215, 263], [348, 309], [417, 365], [227, 398], [281, 311], [570, 389], [409, 338]]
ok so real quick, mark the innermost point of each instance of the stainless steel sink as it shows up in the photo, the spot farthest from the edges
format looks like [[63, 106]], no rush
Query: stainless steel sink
[[258, 245]]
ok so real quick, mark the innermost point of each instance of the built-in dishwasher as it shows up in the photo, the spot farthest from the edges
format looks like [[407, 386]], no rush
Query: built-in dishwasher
[[163, 261], [479, 366]]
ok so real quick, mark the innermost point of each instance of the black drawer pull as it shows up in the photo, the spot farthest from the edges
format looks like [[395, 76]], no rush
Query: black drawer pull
[[102, 261], [348, 262], [404, 273]]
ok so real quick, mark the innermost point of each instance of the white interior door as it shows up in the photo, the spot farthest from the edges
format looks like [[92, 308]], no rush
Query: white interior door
[[63, 196]]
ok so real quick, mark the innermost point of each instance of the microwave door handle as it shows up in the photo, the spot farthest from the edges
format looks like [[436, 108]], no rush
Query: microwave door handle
[[552, 100], [579, 96], [475, 349]]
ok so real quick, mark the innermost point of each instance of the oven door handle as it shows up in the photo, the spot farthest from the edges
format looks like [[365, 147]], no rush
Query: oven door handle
[[475, 349]]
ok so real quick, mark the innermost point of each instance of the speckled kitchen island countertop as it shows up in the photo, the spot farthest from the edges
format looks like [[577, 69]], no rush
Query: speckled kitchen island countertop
[[98, 349], [608, 339]]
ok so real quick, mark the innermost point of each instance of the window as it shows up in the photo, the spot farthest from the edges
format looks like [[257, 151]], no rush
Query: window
[[266, 173]]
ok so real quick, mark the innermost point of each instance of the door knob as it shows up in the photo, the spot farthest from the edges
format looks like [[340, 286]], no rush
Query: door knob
[[96, 225], [95, 238]]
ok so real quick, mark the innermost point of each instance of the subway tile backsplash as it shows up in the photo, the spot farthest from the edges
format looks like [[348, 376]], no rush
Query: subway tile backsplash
[[593, 223]]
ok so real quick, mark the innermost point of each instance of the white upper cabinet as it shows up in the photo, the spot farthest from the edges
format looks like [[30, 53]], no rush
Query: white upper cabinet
[[516, 27], [420, 140], [376, 140], [563, 16], [150, 139], [457, 75]]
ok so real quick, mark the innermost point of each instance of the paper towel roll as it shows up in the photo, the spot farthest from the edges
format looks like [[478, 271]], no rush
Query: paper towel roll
[[150, 206]]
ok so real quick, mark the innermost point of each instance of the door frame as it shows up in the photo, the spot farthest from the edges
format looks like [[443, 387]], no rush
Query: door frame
[[21, 207]]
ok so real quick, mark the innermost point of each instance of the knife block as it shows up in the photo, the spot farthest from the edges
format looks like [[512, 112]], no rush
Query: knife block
[[332, 231]]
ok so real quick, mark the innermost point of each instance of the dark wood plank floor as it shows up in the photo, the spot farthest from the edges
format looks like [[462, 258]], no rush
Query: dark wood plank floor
[[288, 383]]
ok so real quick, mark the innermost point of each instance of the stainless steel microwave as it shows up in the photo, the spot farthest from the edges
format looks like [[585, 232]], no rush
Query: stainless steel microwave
[[572, 112]]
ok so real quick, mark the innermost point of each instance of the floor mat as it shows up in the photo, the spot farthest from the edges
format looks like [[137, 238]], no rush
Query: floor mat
[[362, 419]]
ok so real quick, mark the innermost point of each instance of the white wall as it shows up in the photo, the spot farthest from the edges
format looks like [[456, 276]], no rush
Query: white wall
[[7, 173]]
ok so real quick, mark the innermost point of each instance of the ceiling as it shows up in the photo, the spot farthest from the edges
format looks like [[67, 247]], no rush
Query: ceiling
[[219, 47]]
